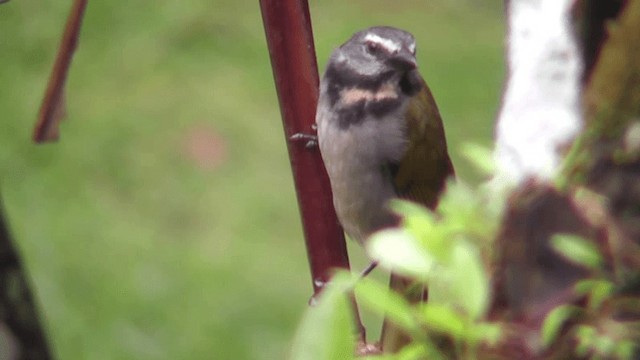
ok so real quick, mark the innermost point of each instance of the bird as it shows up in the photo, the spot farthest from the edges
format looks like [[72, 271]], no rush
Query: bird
[[379, 132]]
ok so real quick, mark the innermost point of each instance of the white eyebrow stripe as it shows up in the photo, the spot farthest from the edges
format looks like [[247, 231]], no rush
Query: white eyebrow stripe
[[390, 45]]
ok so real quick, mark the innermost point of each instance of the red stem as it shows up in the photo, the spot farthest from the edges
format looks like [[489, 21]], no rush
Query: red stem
[[52, 104], [289, 37]]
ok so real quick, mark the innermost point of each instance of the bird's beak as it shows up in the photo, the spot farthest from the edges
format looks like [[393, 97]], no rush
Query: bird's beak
[[404, 60]]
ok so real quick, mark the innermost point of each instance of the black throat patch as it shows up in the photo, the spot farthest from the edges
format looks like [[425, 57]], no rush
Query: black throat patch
[[356, 97]]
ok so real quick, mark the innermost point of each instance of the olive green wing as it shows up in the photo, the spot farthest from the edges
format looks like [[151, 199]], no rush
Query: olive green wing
[[422, 173]]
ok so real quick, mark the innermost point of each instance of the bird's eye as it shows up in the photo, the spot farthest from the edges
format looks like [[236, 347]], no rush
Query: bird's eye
[[372, 47]]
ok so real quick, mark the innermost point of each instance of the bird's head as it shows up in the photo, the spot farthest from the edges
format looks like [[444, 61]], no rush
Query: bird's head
[[378, 51], [371, 58]]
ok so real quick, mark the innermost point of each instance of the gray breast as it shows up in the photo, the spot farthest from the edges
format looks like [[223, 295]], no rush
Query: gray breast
[[356, 158]]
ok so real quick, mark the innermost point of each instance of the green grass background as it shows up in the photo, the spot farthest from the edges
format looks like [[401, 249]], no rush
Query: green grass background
[[135, 249]]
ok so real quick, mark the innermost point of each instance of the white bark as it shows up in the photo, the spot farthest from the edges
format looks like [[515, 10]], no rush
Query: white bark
[[540, 113]]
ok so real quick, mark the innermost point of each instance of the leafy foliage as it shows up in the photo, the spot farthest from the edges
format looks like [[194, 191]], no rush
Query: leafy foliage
[[449, 251], [326, 331], [454, 253]]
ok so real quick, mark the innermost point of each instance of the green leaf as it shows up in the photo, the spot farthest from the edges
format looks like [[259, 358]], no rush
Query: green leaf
[[326, 331], [464, 212], [585, 286], [409, 209], [485, 332], [577, 250], [444, 319], [479, 156], [457, 203], [415, 351], [597, 290], [387, 303], [554, 321], [470, 281], [421, 223], [398, 250], [379, 357], [604, 345], [585, 335], [625, 349]]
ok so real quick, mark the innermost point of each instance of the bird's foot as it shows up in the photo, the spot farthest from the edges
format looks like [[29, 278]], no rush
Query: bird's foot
[[366, 349], [320, 284], [311, 140]]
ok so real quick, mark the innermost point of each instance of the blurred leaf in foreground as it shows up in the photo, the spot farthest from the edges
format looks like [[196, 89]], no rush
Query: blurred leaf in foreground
[[326, 331]]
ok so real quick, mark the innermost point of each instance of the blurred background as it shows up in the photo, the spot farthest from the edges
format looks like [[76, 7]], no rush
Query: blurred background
[[164, 224]]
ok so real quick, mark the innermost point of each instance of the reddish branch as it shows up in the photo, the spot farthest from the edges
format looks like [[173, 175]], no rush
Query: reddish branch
[[51, 110], [290, 40]]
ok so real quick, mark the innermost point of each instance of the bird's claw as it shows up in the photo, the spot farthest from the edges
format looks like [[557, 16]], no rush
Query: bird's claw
[[320, 284], [311, 140]]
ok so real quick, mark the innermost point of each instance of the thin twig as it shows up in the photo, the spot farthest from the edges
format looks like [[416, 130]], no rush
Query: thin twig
[[52, 108]]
